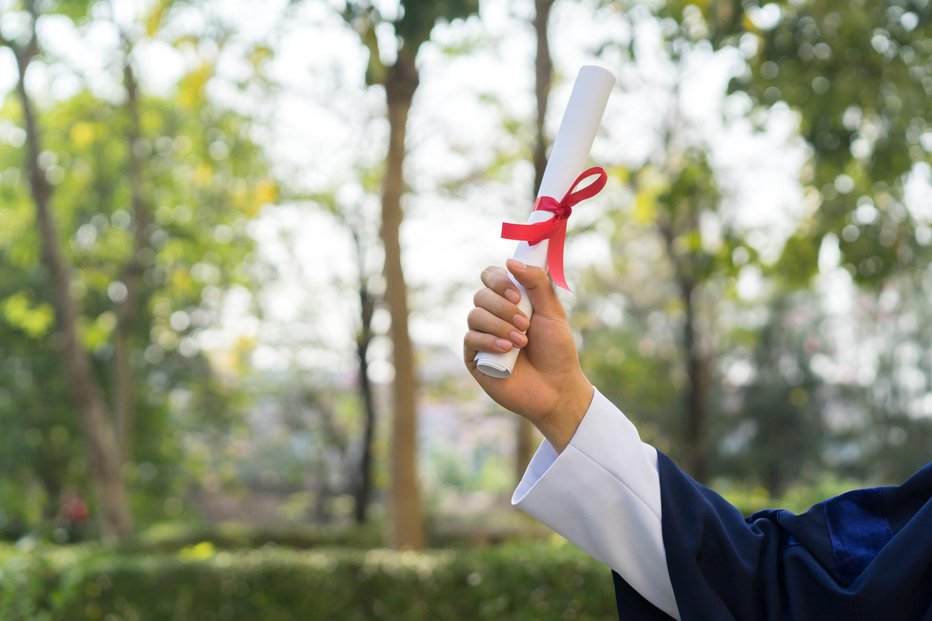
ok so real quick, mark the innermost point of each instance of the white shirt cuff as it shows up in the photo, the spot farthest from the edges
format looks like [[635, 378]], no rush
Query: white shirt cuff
[[603, 494]]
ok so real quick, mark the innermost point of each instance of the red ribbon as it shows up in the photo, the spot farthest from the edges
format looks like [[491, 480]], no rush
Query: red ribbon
[[554, 229]]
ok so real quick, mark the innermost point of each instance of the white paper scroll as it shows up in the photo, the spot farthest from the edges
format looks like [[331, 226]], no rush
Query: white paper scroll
[[567, 159]]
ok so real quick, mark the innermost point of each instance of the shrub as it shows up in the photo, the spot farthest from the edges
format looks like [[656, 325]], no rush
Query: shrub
[[538, 581], [231, 535]]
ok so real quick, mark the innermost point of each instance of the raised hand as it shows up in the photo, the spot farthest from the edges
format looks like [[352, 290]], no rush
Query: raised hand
[[547, 385]]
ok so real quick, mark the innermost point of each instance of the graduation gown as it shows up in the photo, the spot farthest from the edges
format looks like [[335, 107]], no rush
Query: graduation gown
[[864, 555]]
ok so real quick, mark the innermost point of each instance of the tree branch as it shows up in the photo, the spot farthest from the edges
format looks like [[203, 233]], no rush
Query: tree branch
[[134, 268]]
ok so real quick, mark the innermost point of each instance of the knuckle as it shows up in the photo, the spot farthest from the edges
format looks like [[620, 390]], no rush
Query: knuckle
[[487, 300], [491, 274], [500, 282], [477, 296]]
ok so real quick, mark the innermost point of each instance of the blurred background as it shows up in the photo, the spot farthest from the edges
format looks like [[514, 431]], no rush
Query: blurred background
[[239, 240]]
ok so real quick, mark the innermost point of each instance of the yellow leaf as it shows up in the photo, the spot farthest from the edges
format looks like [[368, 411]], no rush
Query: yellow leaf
[[621, 173], [749, 24], [82, 134], [645, 207], [259, 55], [180, 279], [191, 88], [198, 552], [187, 40], [203, 175], [266, 193], [156, 17]]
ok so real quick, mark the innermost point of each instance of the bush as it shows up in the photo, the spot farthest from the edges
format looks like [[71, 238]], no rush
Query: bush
[[797, 498], [538, 581], [231, 535]]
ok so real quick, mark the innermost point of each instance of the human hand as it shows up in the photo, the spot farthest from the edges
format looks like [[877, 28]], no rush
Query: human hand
[[547, 385]]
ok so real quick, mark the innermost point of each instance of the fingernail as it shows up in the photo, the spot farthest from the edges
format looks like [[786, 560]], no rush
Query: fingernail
[[512, 296], [517, 338], [521, 322], [503, 344], [517, 266]]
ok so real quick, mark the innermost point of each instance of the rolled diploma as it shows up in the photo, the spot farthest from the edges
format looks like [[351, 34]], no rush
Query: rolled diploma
[[567, 159]]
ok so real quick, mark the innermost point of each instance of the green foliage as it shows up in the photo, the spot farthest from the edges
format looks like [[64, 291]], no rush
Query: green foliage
[[797, 498], [33, 319], [172, 536], [635, 343], [779, 412], [858, 73], [530, 581], [798, 261], [690, 193], [75, 10], [634, 370], [418, 17], [204, 179], [40, 450], [412, 26]]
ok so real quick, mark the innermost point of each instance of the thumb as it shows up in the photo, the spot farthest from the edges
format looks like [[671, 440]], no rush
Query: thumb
[[539, 290]]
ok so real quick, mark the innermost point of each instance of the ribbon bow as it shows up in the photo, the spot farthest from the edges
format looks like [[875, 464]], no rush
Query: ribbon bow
[[554, 229]]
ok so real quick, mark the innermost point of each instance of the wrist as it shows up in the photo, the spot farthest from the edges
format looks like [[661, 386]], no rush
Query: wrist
[[560, 424]]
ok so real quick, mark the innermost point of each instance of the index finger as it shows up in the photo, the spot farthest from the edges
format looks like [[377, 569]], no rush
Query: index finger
[[497, 279]]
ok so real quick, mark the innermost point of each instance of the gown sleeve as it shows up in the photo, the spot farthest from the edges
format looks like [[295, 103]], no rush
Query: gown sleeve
[[678, 550], [864, 555], [603, 494]]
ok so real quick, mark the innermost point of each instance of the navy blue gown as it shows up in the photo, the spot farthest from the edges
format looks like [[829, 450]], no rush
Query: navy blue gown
[[863, 556]]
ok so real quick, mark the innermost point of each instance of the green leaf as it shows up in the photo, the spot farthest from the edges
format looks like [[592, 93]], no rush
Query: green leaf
[[35, 320]]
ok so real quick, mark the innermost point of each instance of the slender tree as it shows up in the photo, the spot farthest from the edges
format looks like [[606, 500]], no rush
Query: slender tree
[[362, 490], [355, 219], [128, 307], [400, 78], [692, 192], [105, 456], [543, 79]]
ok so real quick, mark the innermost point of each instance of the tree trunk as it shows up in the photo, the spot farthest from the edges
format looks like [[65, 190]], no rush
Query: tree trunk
[[696, 372], [524, 446], [103, 450], [543, 78], [128, 307], [362, 491], [50, 473], [406, 528], [543, 72], [697, 454]]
